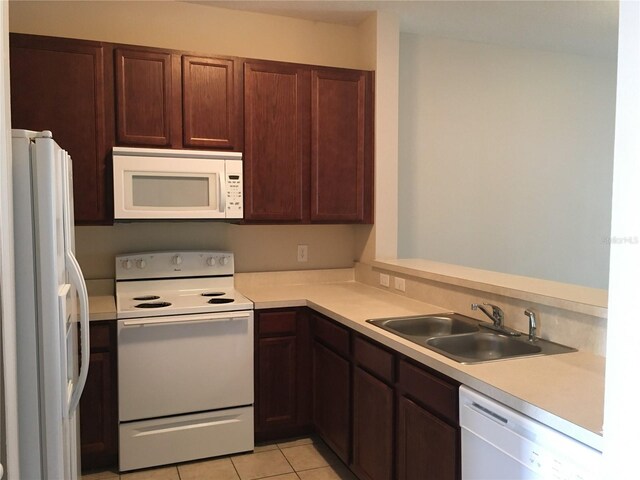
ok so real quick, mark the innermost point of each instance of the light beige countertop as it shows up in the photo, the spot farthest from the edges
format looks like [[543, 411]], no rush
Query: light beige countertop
[[102, 307], [564, 391]]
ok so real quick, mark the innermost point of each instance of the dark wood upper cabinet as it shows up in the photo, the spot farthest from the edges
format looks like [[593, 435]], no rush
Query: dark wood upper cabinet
[[143, 97], [63, 85], [210, 92], [341, 163], [276, 157]]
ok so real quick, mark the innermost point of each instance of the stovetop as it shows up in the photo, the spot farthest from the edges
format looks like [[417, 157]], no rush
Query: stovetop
[[176, 283]]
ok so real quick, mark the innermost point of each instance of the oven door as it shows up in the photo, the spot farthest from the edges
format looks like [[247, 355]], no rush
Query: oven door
[[184, 364], [147, 187]]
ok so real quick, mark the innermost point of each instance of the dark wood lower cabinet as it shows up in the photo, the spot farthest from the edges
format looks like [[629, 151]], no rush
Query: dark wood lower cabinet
[[385, 416], [372, 427], [99, 401], [427, 446], [332, 399], [282, 377]]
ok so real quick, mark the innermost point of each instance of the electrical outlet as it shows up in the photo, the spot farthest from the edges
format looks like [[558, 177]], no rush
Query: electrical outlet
[[303, 253], [384, 279], [398, 284]]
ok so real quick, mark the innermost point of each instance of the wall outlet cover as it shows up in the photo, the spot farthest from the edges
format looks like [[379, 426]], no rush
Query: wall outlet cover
[[399, 284], [384, 279], [303, 253]]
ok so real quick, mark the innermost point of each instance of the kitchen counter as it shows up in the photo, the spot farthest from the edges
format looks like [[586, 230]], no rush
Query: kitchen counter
[[102, 307], [564, 391]]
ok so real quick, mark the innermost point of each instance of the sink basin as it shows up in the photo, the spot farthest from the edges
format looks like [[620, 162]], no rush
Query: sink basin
[[428, 325], [482, 347], [460, 338]]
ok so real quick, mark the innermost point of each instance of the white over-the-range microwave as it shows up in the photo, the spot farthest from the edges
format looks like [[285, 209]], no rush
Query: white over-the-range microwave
[[153, 183]]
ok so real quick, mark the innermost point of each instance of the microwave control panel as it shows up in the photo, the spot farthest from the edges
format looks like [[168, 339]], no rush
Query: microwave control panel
[[234, 200]]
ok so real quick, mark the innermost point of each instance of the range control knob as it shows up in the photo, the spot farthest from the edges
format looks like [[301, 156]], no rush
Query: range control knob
[[211, 261], [141, 263], [127, 264], [224, 260], [176, 260]]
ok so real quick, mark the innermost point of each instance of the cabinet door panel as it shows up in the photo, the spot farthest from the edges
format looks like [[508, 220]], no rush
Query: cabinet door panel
[[427, 447], [58, 85], [372, 427], [98, 404], [209, 102], [277, 382], [339, 150], [143, 97], [276, 159], [331, 399]]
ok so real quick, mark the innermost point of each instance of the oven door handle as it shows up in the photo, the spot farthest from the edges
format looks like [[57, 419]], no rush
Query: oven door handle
[[184, 321]]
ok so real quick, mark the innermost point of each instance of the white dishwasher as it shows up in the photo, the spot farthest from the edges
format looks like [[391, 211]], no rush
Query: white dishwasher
[[499, 443]]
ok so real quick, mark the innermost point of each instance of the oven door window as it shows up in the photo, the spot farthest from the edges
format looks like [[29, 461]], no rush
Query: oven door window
[[171, 191]]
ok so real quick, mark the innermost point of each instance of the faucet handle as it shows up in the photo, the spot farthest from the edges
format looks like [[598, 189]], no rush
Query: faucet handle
[[497, 311], [497, 315]]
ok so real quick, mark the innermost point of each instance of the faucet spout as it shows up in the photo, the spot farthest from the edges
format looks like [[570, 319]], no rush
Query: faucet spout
[[496, 315]]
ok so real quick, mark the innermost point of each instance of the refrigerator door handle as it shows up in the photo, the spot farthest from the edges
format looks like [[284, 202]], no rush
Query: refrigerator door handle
[[75, 275]]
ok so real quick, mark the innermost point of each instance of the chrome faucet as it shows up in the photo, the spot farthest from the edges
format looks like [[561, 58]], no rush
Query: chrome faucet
[[497, 317], [533, 327]]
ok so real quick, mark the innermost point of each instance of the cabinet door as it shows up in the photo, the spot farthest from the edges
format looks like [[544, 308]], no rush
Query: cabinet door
[[58, 85], [332, 399], [276, 163], [372, 427], [277, 382], [283, 386], [427, 446], [341, 151], [209, 98], [98, 404], [143, 97]]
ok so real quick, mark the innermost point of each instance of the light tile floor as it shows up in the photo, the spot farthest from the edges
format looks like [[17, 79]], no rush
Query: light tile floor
[[297, 459]]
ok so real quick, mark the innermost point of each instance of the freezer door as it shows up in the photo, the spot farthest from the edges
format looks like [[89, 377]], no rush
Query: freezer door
[[47, 312]]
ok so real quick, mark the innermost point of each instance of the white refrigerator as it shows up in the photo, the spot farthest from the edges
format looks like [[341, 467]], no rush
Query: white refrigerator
[[51, 302]]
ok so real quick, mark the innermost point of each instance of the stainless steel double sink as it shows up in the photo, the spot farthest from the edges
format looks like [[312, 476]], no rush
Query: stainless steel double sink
[[464, 339]]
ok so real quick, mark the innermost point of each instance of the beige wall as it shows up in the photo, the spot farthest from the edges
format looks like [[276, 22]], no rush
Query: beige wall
[[186, 26], [199, 28], [257, 248]]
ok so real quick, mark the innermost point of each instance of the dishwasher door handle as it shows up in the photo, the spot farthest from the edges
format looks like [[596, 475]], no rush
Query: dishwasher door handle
[[487, 412]]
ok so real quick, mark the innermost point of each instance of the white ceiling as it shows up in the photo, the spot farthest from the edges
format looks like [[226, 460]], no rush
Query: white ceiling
[[578, 26]]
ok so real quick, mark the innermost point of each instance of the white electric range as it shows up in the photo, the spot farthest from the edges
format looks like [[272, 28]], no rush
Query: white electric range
[[185, 358]]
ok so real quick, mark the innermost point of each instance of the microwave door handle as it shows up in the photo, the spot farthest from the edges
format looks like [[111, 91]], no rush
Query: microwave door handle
[[222, 193]]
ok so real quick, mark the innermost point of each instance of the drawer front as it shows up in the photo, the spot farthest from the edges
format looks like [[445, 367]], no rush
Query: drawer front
[[436, 394], [331, 334], [374, 358], [277, 323], [186, 437]]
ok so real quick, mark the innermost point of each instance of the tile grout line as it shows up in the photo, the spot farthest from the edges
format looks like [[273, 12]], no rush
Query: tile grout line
[[234, 466], [285, 457]]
